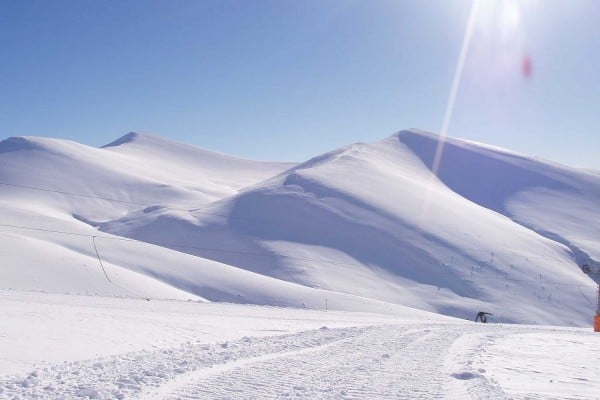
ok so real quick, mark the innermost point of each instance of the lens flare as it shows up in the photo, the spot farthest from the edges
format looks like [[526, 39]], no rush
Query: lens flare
[[451, 101], [527, 66], [499, 44], [455, 84]]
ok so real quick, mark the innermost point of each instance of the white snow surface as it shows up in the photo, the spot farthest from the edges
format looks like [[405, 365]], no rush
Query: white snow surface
[[364, 228], [84, 347]]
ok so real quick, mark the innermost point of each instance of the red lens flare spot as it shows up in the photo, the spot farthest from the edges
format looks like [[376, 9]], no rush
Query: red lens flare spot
[[526, 67]]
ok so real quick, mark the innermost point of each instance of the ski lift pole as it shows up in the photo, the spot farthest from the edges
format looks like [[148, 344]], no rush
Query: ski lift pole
[[597, 316], [593, 271]]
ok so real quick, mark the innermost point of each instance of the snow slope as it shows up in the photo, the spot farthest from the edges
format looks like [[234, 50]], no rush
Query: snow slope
[[372, 220], [137, 170], [98, 348], [68, 263], [555, 200], [65, 253], [365, 227]]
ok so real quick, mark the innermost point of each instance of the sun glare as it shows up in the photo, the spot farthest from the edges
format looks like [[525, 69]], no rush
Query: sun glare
[[501, 18]]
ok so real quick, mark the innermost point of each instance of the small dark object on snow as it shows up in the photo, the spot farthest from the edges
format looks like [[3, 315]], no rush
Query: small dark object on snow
[[482, 316]]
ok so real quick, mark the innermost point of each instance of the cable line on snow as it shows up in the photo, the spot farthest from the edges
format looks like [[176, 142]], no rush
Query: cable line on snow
[[586, 299], [77, 194], [100, 260], [167, 244]]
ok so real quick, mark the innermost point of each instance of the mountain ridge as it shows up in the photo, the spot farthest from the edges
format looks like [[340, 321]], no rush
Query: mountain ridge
[[368, 219]]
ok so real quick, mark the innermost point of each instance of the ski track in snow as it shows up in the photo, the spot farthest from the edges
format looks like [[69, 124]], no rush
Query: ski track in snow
[[346, 363]]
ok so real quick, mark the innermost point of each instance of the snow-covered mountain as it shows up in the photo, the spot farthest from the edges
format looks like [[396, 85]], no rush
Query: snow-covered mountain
[[367, 227], [137, 169]]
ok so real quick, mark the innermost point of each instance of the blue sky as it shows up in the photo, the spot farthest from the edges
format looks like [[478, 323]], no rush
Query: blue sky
[[290, 79]]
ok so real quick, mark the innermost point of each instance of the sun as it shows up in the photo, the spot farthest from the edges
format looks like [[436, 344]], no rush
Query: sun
[[499, 17]]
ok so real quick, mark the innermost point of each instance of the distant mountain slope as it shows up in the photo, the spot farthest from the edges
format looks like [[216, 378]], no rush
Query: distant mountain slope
[[214, 174], [371, 219], [138, 169], [555, 200], [64, 189], [363, 227], [53, 193]]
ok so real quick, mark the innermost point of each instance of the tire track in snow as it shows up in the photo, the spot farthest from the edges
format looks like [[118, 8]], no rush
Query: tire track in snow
[[393, 361], [179, 384], [379, 362], [126, 376]]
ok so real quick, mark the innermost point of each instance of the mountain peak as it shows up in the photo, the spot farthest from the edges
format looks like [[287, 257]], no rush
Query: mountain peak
[[17, 143], [415, 132], [132, 137]]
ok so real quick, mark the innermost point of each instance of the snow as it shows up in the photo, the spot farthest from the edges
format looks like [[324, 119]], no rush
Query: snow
[[41, 327], [136, 170], [66, 346], [541, 195], [148, 269], [372, 220], [367, 227]]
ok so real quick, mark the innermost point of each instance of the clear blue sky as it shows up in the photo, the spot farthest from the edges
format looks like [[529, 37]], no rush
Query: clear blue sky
[[289, 79]]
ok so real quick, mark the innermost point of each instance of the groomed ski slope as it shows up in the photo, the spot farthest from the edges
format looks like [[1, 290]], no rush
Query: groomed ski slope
[[81, 347]]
